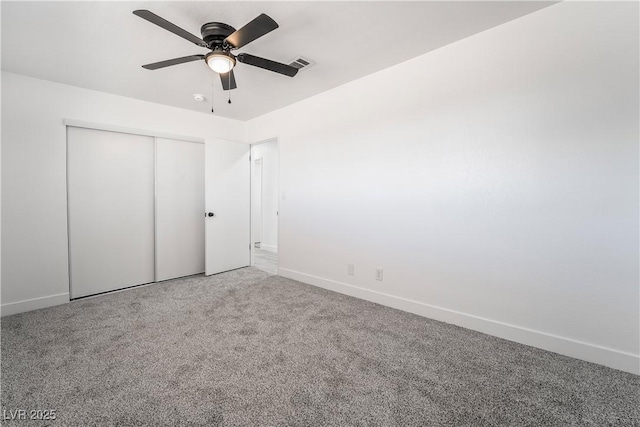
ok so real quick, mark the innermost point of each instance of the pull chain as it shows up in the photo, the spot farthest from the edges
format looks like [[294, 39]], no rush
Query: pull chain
[[229, 86]]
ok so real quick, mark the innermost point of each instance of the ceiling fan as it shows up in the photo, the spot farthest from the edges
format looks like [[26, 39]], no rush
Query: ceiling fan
[[221, 39]]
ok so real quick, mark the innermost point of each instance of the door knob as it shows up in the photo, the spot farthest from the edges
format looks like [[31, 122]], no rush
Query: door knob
[[209, 214]]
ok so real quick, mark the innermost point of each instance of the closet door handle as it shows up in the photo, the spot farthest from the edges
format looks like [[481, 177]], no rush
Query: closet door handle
[[210, 214]]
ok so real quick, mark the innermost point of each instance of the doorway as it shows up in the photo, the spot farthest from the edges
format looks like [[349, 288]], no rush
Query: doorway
[[265, 174]]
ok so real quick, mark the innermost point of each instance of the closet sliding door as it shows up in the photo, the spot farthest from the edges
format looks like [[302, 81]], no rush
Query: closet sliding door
[[179, 208], [110, 179]]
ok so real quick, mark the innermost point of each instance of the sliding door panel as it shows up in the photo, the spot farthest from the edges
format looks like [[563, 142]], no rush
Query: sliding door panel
[[179, 208], [110, 179]]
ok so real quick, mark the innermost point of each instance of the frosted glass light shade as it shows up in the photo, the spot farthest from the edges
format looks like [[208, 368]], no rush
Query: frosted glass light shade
[[220, 62]]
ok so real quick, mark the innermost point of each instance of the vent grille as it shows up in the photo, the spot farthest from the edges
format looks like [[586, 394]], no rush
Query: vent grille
[[302, 63]]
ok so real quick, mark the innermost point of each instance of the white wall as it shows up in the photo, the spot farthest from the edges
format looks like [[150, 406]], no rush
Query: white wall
[[494, 180], [34, 211], [268, 152]]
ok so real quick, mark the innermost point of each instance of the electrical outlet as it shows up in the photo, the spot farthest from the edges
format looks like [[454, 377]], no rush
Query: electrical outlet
[[351, 269], [379, 274]]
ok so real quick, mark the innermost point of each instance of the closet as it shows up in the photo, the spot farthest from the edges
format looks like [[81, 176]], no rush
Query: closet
[[135, 209]]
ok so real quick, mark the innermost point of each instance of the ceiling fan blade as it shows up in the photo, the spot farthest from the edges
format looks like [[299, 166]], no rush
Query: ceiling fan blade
[[267, 64], [174, 61], [228, 80], [161, 22], [257, 28]]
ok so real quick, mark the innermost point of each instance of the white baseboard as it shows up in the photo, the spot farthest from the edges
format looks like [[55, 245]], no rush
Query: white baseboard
[[33, 304], [580, 350], [269, 248]]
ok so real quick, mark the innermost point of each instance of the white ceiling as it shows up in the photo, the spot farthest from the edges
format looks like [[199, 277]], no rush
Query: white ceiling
[[102, 45]]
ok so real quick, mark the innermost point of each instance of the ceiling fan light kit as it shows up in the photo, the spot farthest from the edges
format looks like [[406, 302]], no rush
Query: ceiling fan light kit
[[221, 39], [220, 61]]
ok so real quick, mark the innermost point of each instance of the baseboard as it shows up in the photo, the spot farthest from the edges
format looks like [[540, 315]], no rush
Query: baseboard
[[580, 350], [33, 304], [269, 248]]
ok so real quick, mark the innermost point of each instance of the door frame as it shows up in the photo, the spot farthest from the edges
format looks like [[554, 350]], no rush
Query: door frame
[[251, 154], [256, 223]]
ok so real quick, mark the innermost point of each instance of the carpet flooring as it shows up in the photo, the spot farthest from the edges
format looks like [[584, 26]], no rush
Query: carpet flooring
[[246, 348]]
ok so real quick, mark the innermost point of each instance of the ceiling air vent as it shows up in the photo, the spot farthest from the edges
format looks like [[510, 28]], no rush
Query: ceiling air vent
[[302, 63]]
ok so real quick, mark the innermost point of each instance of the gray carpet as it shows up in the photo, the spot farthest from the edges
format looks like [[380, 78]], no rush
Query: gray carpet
[[248, 349]]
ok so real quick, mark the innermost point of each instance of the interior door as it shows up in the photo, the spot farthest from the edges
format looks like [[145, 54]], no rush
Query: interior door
[[227, 192]]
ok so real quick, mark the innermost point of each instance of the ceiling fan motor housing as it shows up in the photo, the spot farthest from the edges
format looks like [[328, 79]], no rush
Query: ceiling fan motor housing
[[214, 33]]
